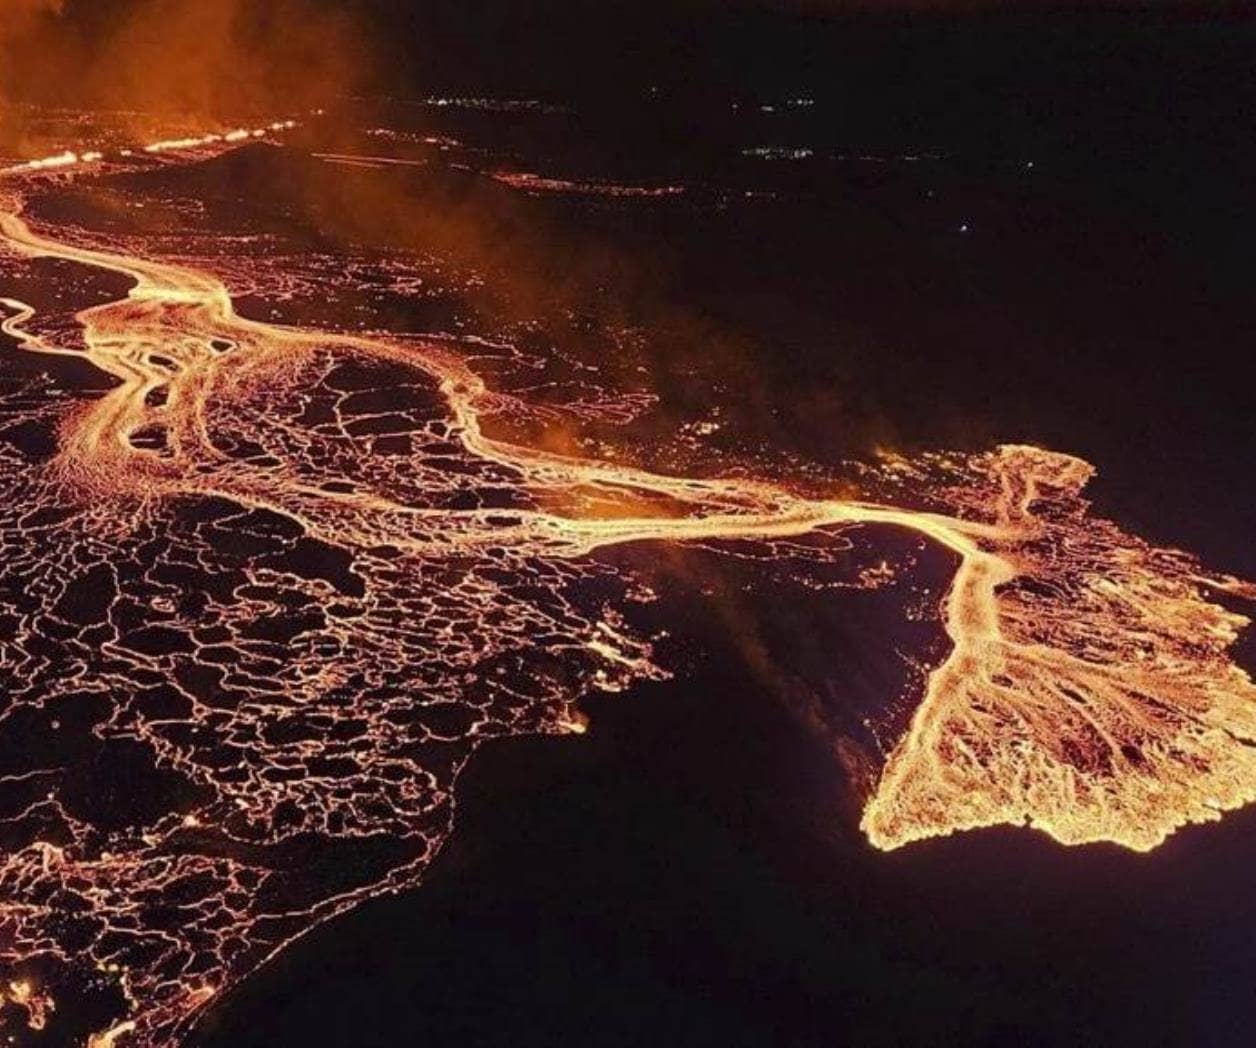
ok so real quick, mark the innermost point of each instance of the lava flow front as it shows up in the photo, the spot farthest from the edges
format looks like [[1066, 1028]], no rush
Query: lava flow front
[[262, 597]]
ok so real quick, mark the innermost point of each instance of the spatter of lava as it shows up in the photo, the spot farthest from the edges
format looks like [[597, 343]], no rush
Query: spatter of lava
[[261, 599]]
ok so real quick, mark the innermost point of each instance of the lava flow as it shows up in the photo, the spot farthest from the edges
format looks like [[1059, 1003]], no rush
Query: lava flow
[[261, 599]]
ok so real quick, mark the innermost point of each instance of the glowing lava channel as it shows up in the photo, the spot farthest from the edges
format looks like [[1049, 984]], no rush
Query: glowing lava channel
[[1088, 691]]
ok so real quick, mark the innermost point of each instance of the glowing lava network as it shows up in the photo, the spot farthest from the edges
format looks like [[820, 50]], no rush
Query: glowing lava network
[[217, 589]]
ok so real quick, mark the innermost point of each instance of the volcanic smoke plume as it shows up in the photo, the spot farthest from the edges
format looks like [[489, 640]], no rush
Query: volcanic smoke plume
[[150, 62]]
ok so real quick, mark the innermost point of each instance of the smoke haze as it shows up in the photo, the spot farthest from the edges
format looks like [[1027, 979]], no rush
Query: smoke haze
[[193, 61]]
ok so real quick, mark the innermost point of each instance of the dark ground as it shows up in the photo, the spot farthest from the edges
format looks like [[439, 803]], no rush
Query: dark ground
[[690, 873]]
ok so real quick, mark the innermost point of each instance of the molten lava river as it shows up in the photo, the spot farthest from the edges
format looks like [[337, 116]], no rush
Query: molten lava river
[[265, 589]]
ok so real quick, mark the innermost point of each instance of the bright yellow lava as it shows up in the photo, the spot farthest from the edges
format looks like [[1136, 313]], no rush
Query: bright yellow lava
[[1088, 691]]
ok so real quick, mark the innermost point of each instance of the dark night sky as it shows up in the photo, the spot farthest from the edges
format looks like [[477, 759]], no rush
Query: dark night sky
[[1151, 105], [1169, 84]]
